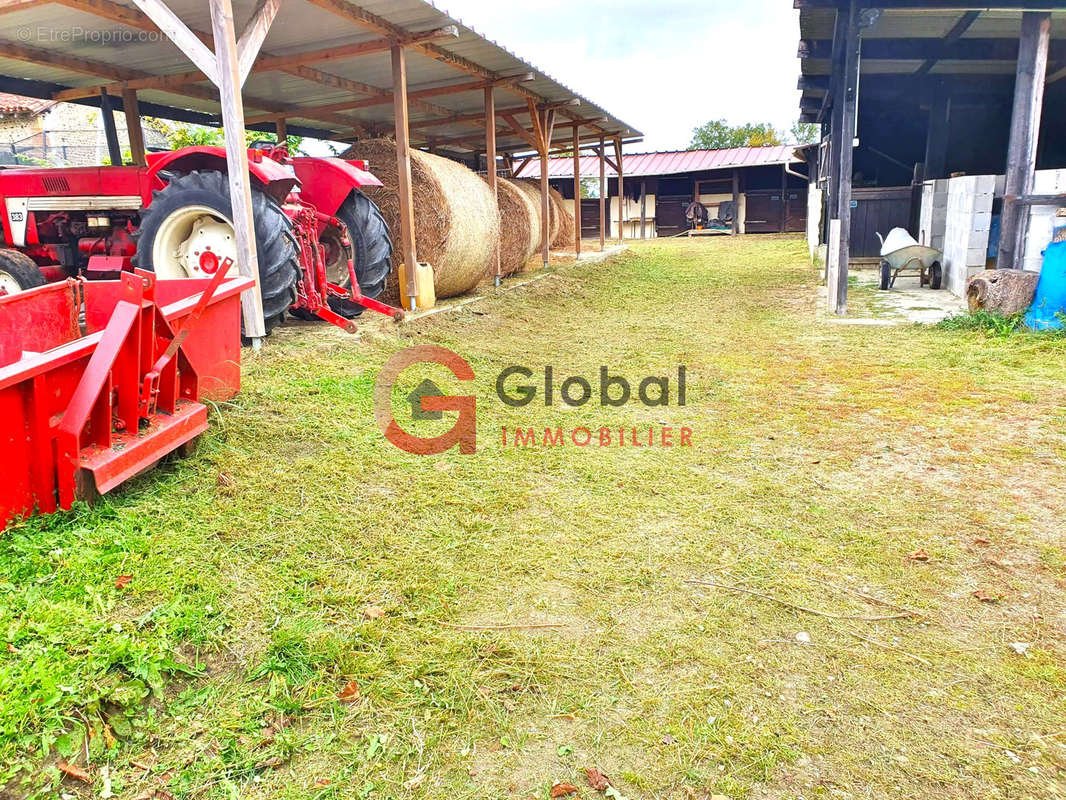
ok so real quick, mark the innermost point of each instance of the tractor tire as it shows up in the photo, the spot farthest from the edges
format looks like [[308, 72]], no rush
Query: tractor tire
[[371, 252], [279, 269], [19, 272]]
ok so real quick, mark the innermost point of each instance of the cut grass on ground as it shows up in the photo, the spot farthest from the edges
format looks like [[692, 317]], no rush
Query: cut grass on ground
[[846, 470]]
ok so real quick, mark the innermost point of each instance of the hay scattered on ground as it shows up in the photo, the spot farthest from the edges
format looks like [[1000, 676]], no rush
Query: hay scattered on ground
[[519, 227], [457, 225], [564, 238]]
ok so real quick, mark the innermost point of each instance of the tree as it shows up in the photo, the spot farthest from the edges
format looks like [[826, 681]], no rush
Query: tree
[[718, 134], [185, 134], [804, 133]]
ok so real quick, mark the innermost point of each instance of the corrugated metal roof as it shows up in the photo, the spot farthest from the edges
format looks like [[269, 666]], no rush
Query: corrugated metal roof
[[669, 163], [11, 104], [62, 33]]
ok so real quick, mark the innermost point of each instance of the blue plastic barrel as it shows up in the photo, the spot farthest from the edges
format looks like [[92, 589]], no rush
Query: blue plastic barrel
[[1049, 303]]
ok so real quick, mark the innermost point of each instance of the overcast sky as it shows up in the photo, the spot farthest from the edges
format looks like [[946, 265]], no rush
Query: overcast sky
[[662, 66]]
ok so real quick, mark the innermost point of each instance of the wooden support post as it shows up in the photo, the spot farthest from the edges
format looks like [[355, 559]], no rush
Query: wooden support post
[[644, 206], [1024, 135], [282, 128], [490, 162], [403, 163], [577, 193], [603, 195], [936, 140], [784, 198], [838, 294], [229, 89], [543, 125], [836, 119], [133, 126], [621, 190], [736, 203], [107, 116]]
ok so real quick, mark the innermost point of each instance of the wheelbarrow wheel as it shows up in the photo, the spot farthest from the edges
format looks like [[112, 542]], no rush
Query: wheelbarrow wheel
[[936, 275], [886, 275]]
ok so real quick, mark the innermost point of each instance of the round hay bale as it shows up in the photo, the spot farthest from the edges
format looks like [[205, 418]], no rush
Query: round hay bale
[[564, 238], [519, 227], [457, 224], [532, 188]]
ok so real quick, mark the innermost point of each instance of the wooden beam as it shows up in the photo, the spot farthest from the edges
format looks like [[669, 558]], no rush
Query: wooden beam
[[577, 192], [476, 117], [522, 133], [254, 33], [940, 5], [178, 32], [838, 294], [490, 161], [644, 207], [227, 71], [736, 203], [1024, 135], [621, 191], [601, 151], [282, 131], [132, 111], [7, 6], [83, 66], [928, 48], [937, 134], [403, 163], [964, 23]]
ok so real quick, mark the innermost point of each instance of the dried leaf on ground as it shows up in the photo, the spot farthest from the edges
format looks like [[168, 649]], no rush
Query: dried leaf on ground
[[73, 771], [986, 597], [349, 693], [272, 762], [981, 540], [563, 789], [373, 612], [122, 581], [597, 780], [918, 555]]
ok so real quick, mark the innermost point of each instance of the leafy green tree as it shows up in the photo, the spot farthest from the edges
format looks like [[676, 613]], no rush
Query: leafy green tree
[[804, 133], [719, 134], [185, 134]]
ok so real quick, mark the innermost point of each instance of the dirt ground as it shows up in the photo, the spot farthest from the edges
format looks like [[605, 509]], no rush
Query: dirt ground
[[848, 585]]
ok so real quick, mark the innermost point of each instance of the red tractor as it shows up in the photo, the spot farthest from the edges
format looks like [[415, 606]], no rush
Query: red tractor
[[323, 247]]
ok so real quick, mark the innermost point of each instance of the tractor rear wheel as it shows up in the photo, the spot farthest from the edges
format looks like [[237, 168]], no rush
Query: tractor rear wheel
[[187, 230], [370, 251], [18, 272]]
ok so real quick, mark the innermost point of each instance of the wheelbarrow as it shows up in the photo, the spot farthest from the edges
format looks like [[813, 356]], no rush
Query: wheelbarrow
[[900, 252]]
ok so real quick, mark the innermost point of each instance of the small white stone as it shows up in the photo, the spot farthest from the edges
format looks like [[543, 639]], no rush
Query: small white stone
[[1021, 648], [803, 637]]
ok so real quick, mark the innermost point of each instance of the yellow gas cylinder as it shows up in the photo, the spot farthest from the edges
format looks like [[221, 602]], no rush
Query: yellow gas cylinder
[[425, 292]]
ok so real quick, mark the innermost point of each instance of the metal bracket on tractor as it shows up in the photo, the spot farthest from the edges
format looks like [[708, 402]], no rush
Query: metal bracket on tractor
[[99, 381]]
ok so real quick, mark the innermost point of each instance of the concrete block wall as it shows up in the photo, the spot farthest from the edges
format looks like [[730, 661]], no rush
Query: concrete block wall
[[814, 219], [966, 227], [934, 213]]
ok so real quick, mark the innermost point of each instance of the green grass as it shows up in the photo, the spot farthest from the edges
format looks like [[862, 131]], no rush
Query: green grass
[[823, 455]]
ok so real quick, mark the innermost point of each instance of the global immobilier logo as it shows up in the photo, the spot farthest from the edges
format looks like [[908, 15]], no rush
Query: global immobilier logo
[[428, 402]]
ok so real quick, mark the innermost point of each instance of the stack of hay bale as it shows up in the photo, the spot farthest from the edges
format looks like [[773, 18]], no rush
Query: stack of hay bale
[[458, 228], [457, 224]]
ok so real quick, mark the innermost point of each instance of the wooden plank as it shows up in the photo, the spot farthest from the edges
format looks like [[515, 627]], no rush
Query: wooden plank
[[926, 48], [643, 208], [178, 32], [253, 35], [601, 151], [838, 294], [132, 111], [107, 116], [736, 203], [621, 191], [577, 192], [1024, 135], [229, 90], [403, 163], [282, 131], [490, 161]]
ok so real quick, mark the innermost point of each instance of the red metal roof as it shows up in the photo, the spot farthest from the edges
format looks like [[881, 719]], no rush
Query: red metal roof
[[17, 104], [669, 163]]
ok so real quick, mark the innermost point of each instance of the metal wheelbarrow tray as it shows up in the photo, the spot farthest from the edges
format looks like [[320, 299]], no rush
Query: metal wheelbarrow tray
[[926, 260], [99, 381]]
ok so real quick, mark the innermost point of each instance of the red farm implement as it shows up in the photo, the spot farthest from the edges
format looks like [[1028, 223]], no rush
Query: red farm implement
[[323, 247], [99, 380]]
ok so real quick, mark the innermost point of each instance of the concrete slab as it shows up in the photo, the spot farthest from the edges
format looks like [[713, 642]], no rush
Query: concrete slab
[[904, 304]]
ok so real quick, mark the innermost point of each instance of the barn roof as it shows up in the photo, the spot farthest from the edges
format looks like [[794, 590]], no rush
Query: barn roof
[[324, 66], [13, 104], [669, 162]]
